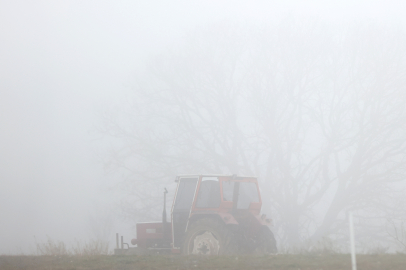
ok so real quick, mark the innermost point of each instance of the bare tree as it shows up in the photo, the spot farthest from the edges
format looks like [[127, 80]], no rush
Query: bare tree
[[316, 111]]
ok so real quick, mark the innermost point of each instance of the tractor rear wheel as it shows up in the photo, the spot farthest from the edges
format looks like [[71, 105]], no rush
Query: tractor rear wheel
[[207, 236], [266, 243]]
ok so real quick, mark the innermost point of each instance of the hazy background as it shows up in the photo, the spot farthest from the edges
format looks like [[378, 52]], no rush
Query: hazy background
[[62, 63]]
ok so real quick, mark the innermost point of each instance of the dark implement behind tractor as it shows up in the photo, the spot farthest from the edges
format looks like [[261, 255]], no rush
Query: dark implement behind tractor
[[211, 215]]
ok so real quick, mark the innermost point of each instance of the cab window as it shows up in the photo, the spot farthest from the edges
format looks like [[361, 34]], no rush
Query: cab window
[[209, 193], [186, 193], [228, 190], [248, 194]]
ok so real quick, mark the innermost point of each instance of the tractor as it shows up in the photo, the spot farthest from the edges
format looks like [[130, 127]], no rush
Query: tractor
[[210, 215]]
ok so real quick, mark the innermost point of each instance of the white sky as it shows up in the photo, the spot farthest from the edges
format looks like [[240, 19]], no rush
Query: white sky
[[62, 61]]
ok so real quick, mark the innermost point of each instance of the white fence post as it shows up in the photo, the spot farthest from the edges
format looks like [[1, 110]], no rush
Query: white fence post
[[352, 243]]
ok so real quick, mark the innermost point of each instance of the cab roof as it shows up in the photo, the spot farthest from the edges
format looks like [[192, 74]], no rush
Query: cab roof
[[213, 175]]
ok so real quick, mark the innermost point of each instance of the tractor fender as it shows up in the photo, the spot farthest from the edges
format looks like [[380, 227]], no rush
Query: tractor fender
[[225, 218], [228, 218], [263, 220]]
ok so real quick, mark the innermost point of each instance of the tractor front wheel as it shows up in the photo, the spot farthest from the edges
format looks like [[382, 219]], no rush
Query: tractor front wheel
[[207, 236]]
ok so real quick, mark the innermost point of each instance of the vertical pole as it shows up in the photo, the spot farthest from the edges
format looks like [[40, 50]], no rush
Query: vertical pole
[[164, 226], [353, 259], [117, 242], [164, 211], [122, 243]]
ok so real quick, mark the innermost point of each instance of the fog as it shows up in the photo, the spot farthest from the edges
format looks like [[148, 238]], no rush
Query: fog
[[64, 64]]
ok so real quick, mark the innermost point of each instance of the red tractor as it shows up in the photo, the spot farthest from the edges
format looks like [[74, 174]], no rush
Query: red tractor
[[211, 215]]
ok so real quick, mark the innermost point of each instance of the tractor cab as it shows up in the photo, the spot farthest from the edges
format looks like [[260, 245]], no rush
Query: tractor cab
[[227, 199]]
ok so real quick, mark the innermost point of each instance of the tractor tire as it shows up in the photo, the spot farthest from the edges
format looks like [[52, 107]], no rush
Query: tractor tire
[[266, 243], [207, 236]]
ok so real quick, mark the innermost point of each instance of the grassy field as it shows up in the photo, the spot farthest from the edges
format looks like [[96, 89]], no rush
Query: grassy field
[[294, 262]]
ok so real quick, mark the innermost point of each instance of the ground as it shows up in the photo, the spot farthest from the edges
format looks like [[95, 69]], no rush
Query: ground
[[274, 262]]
